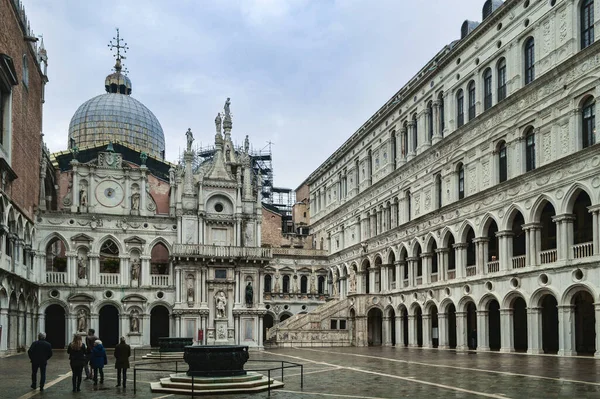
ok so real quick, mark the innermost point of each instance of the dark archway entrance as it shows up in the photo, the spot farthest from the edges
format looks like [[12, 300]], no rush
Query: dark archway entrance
[[520, 324], [585, 323], [392, 324], [434, 327], [159, 324], [419, 321], [55, 326], [268, 322], [284, 317], [549, 324], [404, 314], [472, 325], [108, 323], [451, 312], [374, 324], [494, 324]]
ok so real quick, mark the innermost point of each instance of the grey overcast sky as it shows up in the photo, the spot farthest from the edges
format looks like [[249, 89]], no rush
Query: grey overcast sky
[[302, 74]]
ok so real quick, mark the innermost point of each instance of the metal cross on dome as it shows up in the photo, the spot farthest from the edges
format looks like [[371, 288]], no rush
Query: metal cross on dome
[[118, 46]]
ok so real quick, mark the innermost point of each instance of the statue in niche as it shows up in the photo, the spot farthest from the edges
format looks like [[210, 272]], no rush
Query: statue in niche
[[134, 321], [249, 294], [313, 287], [135, 269], [335, 287], [135, 202], [352, 280], [81, 268], [82, 196], [276, 286], [172, 176], [81, 320], [246, 144], [190, 138], [220, 304], [190, 288]]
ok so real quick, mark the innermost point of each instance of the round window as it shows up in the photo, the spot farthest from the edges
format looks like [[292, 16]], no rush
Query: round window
[[219, 207]]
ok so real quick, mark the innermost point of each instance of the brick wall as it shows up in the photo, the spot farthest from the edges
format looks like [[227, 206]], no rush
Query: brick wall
[[271, 228], [26, 112]]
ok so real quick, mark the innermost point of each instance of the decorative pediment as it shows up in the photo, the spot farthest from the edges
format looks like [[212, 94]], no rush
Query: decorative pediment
[[135, 241], [134, 298], [82, 238], [81, 297], [287, 269]]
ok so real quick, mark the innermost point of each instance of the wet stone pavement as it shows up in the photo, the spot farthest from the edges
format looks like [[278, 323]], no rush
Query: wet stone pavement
[[376, 373]]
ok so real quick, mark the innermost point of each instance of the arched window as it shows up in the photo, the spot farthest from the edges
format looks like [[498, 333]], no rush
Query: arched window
[[394, 146], [286, 284], [430, 121], [529, 60], [501, 79], [321, 285], [502, 164], [441, 113], [461, 181], [438, 191], [530, 150], [267, 283], [587, 23], [109, 257], [303, 285], [460, 108], [159, 259], [415, 133], [369, 167], [487, 89], [472, 100], [25, 71], [588, 116]]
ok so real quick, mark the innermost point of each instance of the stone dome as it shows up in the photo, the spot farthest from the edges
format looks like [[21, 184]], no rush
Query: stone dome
[[116, 116]]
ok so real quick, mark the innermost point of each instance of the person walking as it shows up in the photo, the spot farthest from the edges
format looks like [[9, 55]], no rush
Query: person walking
[[98, 360], [89, 343], [78, 359], [122, 353], [39, 352]]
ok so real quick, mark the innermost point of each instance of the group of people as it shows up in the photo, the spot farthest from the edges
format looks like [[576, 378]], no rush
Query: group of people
[[89, 356]]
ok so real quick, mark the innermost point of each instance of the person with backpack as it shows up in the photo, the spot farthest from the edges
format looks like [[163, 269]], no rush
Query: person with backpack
[[78, 359], [98, 360], [89, 343]]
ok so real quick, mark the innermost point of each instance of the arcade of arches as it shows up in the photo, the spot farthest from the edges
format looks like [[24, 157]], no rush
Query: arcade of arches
[[543, 326]]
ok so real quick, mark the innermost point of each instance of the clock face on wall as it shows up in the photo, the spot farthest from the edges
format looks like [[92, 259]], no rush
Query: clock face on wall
[[109, 193]]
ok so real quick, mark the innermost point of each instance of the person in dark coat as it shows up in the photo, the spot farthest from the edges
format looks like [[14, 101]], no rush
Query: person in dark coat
[[122, 353], [98, 360], [78, 359], [89, 343], [39, 352]]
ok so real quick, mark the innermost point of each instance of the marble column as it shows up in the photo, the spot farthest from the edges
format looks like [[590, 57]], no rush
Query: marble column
[[427, 343], [411, 140], [460, 250], [566, 333], [534, 331], [412, 331], [483, 334], [595, 211], [399, 331], [507, 339], [443, 330], [564, 235], [505, 249], [462, 342]]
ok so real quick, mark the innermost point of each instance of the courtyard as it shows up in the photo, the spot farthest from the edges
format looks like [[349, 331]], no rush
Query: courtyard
[[376, 373]]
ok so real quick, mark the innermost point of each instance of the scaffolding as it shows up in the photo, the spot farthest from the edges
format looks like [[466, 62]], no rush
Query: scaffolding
[[262, 163]]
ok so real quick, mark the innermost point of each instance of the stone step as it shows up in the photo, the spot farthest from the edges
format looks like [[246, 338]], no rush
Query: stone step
[[167, 386], [182, 377]]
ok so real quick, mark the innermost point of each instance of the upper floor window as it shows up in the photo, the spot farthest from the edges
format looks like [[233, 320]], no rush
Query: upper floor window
[[393, 152], [408, 208], [267, 283], [487, 89], [25, 71], [529, 60], [430, 121], [4, 113], [530, 150], [472, 100], [588, 114], [461, 181], [460, 108], [441, 113], [286, 284], [587, 23], [502, 164], [369, 167], [415, 136], [501, 79]]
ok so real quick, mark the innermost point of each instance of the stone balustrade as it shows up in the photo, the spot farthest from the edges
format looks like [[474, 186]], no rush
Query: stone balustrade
[[214, 251], [583, 250], [56, 277], [518, 262], [548, 256]]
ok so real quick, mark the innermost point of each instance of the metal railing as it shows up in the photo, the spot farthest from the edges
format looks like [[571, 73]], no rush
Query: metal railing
[[283, 365]]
